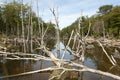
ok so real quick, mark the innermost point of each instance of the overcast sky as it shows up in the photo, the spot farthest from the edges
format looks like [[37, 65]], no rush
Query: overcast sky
[[69, 10]]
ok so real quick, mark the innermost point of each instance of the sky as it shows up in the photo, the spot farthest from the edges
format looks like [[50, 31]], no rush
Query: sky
[[68, 10]]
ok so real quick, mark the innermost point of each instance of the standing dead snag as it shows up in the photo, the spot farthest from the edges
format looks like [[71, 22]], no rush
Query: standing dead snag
[[57, 30], [80, 52], [31, 29], [23, 28], [79, 26], [38, 18], [81, 41]]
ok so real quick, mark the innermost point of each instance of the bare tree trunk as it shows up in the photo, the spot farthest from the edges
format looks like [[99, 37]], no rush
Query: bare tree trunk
[[28, 35], [82, 42], [31, 27], [28, 29], [23, 34], [79, 26], [66, 47], [31, 35], [57, 31], [38, 19], [58, 43], [111, 60]]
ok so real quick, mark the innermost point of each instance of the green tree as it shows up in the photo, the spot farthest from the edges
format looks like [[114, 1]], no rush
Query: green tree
[[114, 20], [105, 9], [51, 32], [2, 27], [11, 15]]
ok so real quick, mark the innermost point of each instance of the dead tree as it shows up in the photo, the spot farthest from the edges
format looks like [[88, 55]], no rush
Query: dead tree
[[23, 29], [55, 14]]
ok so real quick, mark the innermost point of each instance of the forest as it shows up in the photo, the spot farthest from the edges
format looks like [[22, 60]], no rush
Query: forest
[[105, 23], [11, 20], [32, 49]]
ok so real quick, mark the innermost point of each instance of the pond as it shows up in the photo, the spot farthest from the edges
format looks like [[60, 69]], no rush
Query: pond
[[94, 58]]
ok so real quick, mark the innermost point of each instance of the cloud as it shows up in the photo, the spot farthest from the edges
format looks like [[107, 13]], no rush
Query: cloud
[[69, 10], [68, 19]]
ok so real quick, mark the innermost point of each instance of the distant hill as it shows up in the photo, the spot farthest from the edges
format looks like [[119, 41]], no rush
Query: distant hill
[[106, 22]]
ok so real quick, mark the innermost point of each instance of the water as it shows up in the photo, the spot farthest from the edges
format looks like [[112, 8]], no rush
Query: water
[[94, 58]]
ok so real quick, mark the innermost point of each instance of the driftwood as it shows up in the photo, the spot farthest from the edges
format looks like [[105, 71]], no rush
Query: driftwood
[[111, 60], [66, 47], [57, 62], [3, 47], [55, 59], [84, 69], [80, 51]]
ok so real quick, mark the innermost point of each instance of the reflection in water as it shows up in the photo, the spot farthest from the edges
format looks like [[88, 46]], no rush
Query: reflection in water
[[94, 58], [16, 67], [67, 54], [5, 71]]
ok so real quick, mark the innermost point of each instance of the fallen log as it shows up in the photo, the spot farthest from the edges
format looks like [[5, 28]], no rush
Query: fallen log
[[51, 55], [84, 69], [57, 61]]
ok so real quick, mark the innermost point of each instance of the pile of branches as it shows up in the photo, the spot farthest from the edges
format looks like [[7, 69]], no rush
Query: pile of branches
[[79, 52]]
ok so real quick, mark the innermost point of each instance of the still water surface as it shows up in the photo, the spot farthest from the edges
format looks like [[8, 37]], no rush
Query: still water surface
[[94, 58]]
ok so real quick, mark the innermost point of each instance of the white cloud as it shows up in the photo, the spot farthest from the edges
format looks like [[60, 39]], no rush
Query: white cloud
[[69, 10], [68, 19]]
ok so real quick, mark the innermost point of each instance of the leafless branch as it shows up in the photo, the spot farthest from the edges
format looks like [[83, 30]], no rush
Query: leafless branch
[[106, 53]]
